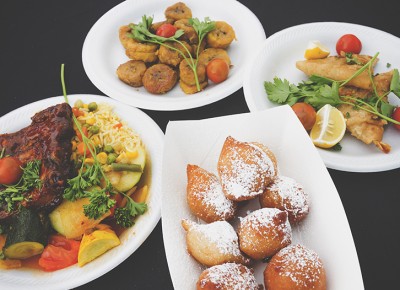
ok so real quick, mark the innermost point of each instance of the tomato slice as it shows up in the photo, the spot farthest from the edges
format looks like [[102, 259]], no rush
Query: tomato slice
[[59, 253], [10, 170]]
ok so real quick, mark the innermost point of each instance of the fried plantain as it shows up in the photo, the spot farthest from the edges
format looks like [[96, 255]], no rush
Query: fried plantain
[[187, 75], [178, 11], [147, 57], [209, 54], [132, 45], [190, 34], [159, 79], [131, 72], [222, 36], [191, 89], [170, 56]]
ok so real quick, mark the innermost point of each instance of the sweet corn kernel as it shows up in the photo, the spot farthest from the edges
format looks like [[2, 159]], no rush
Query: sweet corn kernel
[[132, 155], [85, 106], [96, 140], [102, 157], [91, 121], [89, 160]]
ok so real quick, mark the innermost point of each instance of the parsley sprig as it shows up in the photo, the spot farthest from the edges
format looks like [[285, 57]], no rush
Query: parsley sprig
[[141, 32], [319, 91], [125, 215]]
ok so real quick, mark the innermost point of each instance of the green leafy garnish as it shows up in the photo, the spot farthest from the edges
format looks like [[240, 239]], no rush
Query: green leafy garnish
[[124, 216], [100, 203], [350, 59], [395, 83], [336, 147]]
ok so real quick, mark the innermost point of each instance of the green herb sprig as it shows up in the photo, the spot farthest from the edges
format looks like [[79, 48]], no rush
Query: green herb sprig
[[125, 215]]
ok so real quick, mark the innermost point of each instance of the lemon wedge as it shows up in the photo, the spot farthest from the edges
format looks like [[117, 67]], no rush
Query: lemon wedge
[[316, 50], [329, 127]]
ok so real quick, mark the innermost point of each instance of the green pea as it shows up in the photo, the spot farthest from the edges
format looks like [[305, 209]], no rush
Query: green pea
[[94, 129], [108, 149], [111, 158], [92, 106]]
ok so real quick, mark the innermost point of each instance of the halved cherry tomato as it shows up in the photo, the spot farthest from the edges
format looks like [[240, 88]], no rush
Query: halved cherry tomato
[[59, 253], [348, 43], [166, 30], [217, 70], [77, 112], [85, 132], [396, 116], [306, 114], [10, 170]]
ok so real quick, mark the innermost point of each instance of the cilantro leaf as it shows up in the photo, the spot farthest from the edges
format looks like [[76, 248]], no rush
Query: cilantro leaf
[[387, 109], [395, 83], [325, 95], [279, 90]]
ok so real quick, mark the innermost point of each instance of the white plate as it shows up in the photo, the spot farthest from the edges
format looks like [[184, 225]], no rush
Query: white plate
[[325, 230], [132, 238], [277, 57], [103, 53]]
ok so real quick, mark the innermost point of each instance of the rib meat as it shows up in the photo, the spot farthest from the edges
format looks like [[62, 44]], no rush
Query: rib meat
[[48, 139]]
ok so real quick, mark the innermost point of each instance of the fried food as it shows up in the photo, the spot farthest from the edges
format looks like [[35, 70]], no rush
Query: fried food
[[245, 169], [288, 195], [191, 89], [205, 197], [187, 75], [171, 56], [209, 54], [336, 68], [154, 26], [264, 232], [132, 72], [228, 276], [222, 36], [295, 268], [178, 11], [213, 244], [147, 57], [159, 79], [195, 46], [190, 34], [131, 45]]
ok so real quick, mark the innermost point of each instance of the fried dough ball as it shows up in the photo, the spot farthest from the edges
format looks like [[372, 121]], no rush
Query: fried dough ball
[[213, 244], [205, 197], [288, 195], [222, 36], [159, 79], [191, 89], [171, 56], [295, 268], [228, 276], [190, 34], [264, 232], [209, 54], [187, 75], [245, 169], [131, 72], [178, 11]]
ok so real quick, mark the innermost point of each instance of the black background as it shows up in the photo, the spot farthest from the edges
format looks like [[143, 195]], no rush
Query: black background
[[37, 36]]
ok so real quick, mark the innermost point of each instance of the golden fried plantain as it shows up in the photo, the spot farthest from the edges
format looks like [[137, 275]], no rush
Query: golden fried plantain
[[170, 56], [178, 11], [191, 89], [201, 48], [159, 78], [143, 56], [209, 54], [133, 45], [186, 73], [222, 36], [131, 72], [190, 34]]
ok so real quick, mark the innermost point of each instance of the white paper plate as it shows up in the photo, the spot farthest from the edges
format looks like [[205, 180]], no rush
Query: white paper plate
[[325, 230], [132, 238], [103, 53], [277, 57]]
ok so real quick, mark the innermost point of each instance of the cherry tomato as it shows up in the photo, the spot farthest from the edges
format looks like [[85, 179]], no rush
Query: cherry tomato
[[85, 132], [396, 116], [10, 170], [217, 70], [166, 30], [77, 112], [306, 114], [59, 253], [348, 43]]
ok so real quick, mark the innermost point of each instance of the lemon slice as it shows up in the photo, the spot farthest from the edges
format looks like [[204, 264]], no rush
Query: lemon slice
[[316, 50], [329, 127]]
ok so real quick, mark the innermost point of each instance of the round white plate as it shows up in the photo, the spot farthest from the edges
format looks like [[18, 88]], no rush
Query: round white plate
[[132, 238], [277, 58], [103, 53]]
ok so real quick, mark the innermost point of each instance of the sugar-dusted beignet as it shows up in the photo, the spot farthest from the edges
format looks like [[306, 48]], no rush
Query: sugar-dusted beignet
[[213, 244], [295, 268], [264, 232], [229, 276], [205, 197], [286, 194], [245, 169]]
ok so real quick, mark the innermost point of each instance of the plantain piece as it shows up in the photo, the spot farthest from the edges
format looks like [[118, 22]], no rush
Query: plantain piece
[[201, 48], [190, 34], [209, 54], [222, 36], [186, 73], [132, 45], [159, 79], [172, 57], [178, 11], [191, 89], [147, 57], [131, 72]]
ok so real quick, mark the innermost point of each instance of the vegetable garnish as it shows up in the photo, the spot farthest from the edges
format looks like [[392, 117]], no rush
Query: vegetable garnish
[[319, 91], [92, 175], [30, 179], [141, 32]]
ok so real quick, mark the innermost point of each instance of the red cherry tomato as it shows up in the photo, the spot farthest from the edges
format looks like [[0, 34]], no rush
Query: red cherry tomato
[[396, 116], [306, 114], [59, 253], [77, 112], [10, 170], [217, 70], [166, 30], [348, 43]]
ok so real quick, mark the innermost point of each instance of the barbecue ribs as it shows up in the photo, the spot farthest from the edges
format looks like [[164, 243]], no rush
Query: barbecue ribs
[[48, 139]]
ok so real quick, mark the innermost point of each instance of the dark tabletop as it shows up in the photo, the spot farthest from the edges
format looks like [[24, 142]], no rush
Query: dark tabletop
[[37, 36]]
